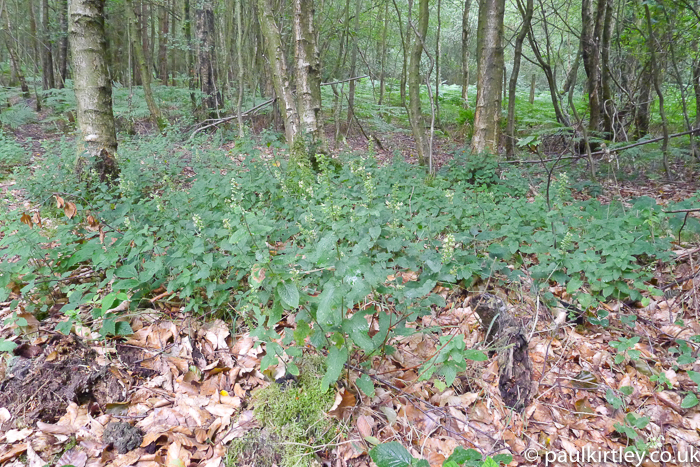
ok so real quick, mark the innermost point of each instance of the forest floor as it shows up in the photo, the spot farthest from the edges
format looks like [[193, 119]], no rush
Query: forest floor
[[187, 384]]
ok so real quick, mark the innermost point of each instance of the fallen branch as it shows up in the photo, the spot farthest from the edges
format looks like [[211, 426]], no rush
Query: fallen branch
[[226, 119], [605, 151], [344, 80]]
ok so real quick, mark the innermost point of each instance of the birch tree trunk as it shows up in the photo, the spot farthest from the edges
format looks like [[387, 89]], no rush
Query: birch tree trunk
[[415, 114], [145, 73], [308, 73], [489, 76], [93, 90], [278, 68]]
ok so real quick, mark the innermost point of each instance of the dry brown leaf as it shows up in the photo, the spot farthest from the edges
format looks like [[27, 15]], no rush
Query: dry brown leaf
[[70, 210], [25, 219], [75, 457], [102, 236], [13, 436], [59, 202], [36, 217], [364, 425], [92, 221]]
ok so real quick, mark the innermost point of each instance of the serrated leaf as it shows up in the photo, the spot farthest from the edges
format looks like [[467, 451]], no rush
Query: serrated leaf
[[288, 293], [391, 454], [574, 284], [475, 355]]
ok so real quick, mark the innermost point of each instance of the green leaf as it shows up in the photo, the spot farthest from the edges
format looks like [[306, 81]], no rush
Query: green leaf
[[64, 327], [365, 384], [292, 369], [691, 400], [461, 456], [109, 327], [475, 355], [695, 376], [574, 284], [336, 359], [375, 231], [503, 458], [325, 314], [288, 293], [391, 454], [123, 328], [9, 346]]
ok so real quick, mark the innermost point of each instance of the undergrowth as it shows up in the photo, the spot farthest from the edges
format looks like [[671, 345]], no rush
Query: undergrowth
[[266, 237]]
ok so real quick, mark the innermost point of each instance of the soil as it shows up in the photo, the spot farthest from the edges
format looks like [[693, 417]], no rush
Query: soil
[[64, 371]]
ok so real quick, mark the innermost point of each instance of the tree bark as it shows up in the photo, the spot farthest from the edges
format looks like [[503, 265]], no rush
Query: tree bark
[[63, 43], [14, 58], [206, 63], [93, 90], [353, 64], [607, 104], [510, 127], [591, 25], [163, 44], [641, 108], [144, 72], [465, 52], [656, 75], [239, 54], [46, 54], [278, 66], [308, 74], [489, 76], [415, 113], [382, 77]]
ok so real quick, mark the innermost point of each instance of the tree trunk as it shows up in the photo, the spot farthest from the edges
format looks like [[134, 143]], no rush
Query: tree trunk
[[591, 25], [641, 112], [136, 42], [465, 52], [532, 89], [14, 58], [353, 65], [415, 113], [163, 44], [239, 53], [63, 42], [656, 74], [46, 54], [206, 63], [382, 77], [489, 76], [93, 90], [510, 128], [278, 67], [607, 104], [308, 74]]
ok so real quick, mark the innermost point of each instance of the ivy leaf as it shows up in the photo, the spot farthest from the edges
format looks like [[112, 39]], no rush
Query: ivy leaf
[[288, 293], [336, 359], [391, 454]]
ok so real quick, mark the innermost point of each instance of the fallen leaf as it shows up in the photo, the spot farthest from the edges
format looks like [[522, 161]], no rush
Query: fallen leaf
[[59, 201], [70, 210], [13, 436], [25, 219], [74, 456]]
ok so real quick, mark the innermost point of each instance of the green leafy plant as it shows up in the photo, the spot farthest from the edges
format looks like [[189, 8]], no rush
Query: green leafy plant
[[393, 454]]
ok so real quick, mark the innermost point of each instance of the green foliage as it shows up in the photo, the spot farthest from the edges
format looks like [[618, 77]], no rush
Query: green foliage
[[11, 154], [393, 454], [269, 237], [17, 115]]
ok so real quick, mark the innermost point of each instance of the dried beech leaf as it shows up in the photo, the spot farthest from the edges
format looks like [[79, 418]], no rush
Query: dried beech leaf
[[92, 221], [70, 210], [37, 218], [59, 201], [26, 220]]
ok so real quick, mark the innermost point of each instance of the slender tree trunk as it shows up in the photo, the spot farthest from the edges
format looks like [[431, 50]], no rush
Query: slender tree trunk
[[489, 77], [46, 54], [308, 74], [532, 89], [551, 80], [641, 113], [136, 42], [14, 58], [63, 42], [510, 128], [163, 44], [206, 63], [656, 74], [436, 99], [93, 90], [415, 113], [353, 64], [465, 52], [278, 68], [696, 90], [591, 26], [239, 53], [608, 107], [382, 77]]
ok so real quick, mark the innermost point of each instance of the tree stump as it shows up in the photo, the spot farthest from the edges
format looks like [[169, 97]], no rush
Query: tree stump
[[506, 334]]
